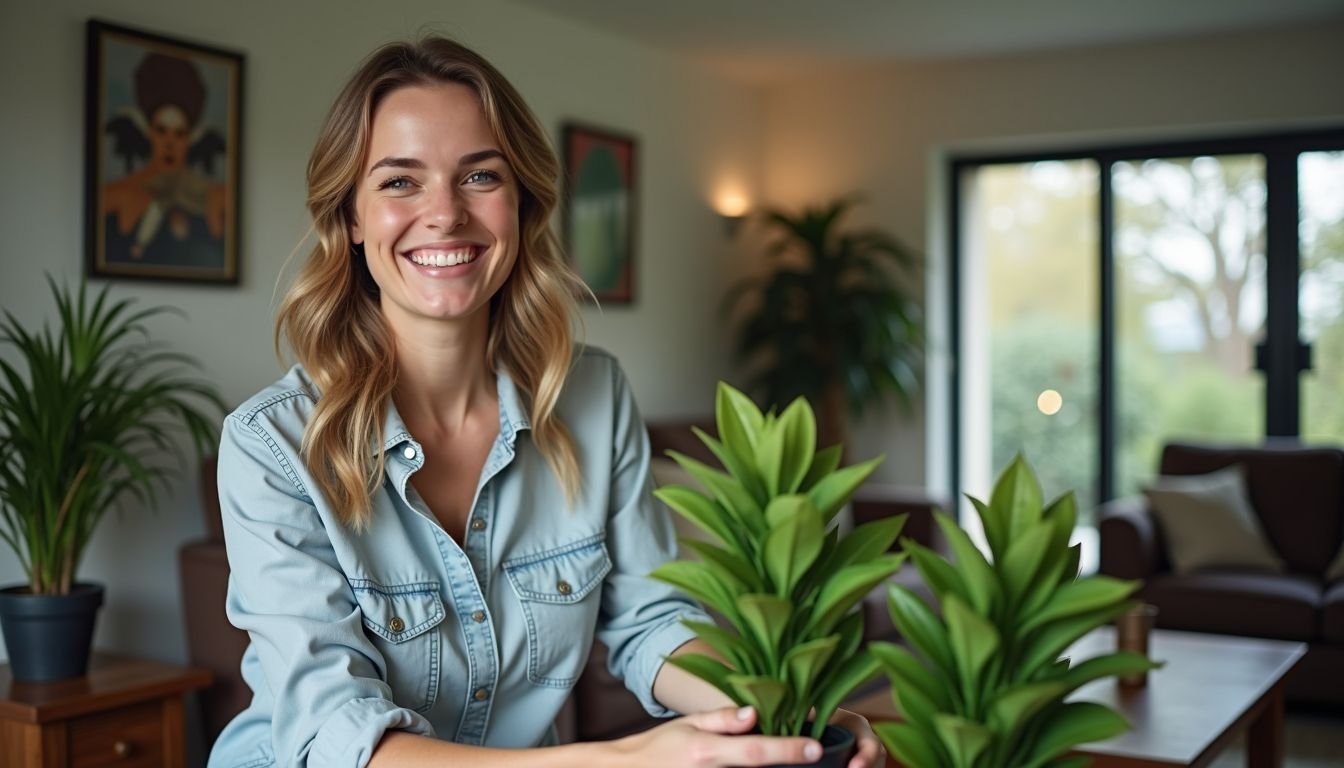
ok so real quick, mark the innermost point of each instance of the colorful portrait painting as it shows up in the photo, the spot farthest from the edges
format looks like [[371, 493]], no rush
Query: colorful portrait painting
[[162, 157], [600, 207]]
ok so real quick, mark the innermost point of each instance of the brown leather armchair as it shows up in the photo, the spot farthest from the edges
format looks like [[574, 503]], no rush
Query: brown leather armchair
[[1298, 494]]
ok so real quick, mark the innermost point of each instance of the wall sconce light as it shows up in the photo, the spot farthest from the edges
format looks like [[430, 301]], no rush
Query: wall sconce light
[[733, 208]]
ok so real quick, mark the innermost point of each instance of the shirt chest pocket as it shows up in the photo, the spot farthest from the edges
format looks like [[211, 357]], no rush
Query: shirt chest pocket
[[560, 593], [402, 622]]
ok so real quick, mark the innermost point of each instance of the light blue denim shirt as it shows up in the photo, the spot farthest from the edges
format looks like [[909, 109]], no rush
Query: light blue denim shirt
[[398, 627]]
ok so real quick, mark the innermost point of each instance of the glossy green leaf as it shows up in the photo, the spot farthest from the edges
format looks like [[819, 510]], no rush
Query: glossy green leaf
[[940, 576], [1012, 708], [741, 576], [710, 670], [974, 640], [867, 541], [832, 491], [702, 512], [732, 497], [823, 463], [847, 587], [853, 672], [766, 694], [697, 580], [976, 572], [805, 661], [767, 618], [792, 546], [739, 421], [1079, 597], [1023, 561], [1050, 640], [1072, 724], [908, 744], [921, 628], [741, 467], [741, 654], [798, 426], [1109, 665], [1016, 498], [963, 739]]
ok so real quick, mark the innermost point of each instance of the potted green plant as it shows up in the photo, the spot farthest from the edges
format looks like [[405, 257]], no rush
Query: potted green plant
[[79, 434], [783, 583], [985, 685], [830, 322]]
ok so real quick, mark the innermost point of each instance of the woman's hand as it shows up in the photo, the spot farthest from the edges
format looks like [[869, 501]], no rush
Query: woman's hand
[[710, 740], [869, 752]]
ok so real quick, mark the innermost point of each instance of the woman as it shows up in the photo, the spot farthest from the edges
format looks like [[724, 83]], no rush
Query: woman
[[433, 515]]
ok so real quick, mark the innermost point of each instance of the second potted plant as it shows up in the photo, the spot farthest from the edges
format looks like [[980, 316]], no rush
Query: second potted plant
[[778, 573], [78, 435]]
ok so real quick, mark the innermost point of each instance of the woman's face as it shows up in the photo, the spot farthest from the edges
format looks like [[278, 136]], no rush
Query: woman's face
[[436, 206], [169, 134]]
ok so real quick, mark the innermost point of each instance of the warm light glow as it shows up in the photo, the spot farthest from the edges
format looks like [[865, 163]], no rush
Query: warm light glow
[[1049, 402], [731, 203]]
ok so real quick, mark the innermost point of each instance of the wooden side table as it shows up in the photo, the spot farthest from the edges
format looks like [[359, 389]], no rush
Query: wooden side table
[[124, 712]]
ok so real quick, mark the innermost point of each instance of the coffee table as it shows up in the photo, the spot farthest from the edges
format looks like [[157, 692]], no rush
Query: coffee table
[[1213, 688]]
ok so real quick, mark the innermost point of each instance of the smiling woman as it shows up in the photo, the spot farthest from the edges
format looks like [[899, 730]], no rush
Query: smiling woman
[[433, 516]]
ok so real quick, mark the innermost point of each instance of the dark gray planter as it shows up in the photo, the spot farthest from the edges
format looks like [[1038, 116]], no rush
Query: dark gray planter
[[48, 636], [837, 746]]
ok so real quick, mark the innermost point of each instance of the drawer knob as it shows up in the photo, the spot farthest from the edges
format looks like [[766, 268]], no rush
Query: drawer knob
[[122, 748]]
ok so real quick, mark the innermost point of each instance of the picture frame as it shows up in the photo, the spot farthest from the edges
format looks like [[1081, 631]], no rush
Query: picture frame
[[163, 157], [601, 209]]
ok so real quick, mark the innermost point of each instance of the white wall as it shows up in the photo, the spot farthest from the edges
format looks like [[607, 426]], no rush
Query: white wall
[[696, 131], [885, 130]]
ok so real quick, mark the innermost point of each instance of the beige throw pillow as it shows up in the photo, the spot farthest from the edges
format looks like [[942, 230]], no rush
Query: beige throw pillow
[[1208, 522]]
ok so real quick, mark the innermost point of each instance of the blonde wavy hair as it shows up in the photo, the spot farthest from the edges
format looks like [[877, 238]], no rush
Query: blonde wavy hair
[[331, 318]]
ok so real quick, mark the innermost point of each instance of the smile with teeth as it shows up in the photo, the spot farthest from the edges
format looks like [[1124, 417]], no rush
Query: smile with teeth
[[435, 258]]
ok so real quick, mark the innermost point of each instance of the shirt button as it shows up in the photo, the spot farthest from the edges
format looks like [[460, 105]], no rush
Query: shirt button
[[396, 624], [564, 587], [408, 452], [478, 616], [481, 694], [478, 524]]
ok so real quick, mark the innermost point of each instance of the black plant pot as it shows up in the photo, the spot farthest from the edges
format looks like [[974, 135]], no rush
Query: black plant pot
[[48, 636], [837, 746]]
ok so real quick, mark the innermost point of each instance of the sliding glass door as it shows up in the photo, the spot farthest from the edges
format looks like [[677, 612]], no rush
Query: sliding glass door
[[1107, 302]]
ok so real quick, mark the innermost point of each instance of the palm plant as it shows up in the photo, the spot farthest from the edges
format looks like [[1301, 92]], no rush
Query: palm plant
[[78, 435], [830, 323], [985, 686], [785, 586]]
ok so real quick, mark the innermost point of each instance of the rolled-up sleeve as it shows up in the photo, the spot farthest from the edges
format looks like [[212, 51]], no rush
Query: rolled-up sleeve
[[641, 618], [288, 591]]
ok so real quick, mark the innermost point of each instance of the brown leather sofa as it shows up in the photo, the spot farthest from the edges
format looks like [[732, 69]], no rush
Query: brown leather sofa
[[600, 706], [1298, 494]]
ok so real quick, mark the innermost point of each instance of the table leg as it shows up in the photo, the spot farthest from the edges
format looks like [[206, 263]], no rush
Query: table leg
[[1264, 741]]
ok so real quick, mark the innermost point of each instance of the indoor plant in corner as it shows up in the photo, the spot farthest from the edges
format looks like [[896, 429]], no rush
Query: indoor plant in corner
[[79, 435], [830, 322], [783, 583], [986, 684]]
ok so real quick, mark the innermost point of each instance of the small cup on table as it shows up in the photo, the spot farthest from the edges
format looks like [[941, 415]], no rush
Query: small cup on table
[[1132, 629]]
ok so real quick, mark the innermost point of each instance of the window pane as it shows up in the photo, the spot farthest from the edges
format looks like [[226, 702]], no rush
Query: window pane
[[1190, 304], [1029, 314], [1321, 292]]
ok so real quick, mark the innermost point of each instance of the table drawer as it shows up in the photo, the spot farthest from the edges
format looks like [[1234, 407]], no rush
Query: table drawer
[[130, 737]]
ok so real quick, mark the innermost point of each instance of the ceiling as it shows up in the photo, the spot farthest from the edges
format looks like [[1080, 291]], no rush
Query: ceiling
[[762, 40]]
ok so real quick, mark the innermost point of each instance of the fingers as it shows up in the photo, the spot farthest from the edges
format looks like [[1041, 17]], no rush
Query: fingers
[[869, 753], [767, 750], [725, 720]]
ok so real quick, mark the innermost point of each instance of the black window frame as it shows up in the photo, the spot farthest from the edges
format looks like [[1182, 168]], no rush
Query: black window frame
[[1284, 357]]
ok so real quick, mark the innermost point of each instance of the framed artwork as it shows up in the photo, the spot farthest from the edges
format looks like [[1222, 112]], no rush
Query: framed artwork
[[162, 148], [600, 208]]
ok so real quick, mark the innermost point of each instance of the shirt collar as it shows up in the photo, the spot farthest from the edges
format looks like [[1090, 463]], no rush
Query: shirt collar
[[512, 416]]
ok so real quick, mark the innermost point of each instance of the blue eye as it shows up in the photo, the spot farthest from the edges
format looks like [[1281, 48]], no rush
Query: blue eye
[[396, 182], [482, 177]]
